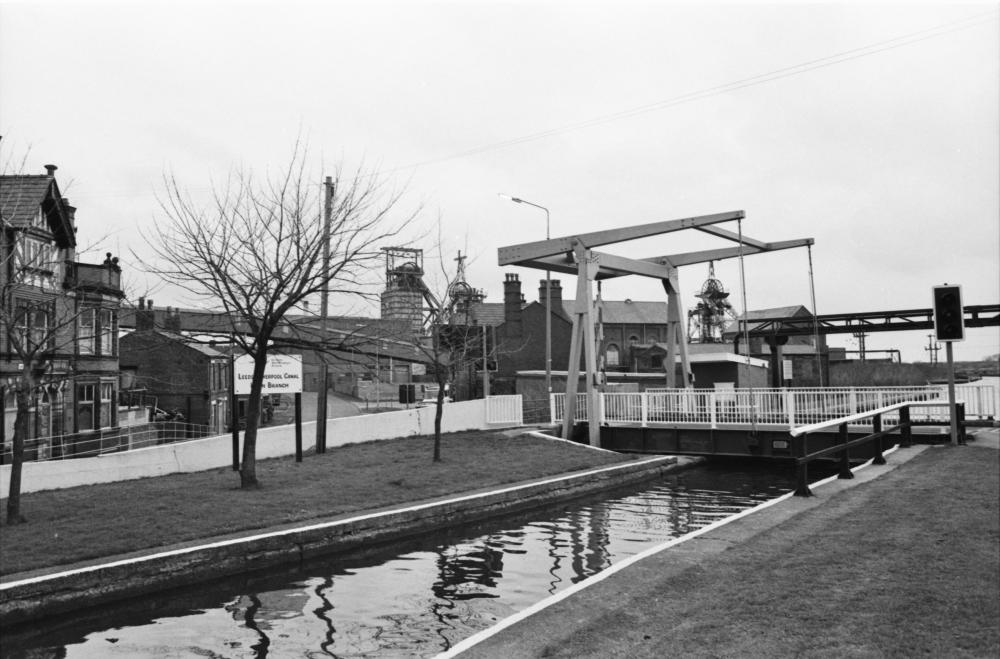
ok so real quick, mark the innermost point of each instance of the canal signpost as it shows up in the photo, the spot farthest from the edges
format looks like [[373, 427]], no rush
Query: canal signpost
[[282, 375]]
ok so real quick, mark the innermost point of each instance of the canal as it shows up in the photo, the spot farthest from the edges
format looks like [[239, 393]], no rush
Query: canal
[[415, 598]]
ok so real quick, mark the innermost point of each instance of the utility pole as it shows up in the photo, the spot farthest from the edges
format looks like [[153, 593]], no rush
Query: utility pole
[[933, 347], [323, 309]]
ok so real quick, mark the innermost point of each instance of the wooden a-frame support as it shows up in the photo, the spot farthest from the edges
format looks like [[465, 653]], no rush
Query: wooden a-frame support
[[574, 255]]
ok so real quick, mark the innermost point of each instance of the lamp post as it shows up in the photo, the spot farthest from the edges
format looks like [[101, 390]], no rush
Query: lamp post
[[548, 298]]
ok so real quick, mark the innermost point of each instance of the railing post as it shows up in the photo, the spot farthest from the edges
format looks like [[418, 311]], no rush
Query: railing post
[[802, 469], [960, 413], [644, 408], [845, 455], [877, 428], [552, 408], [790, 407], [713, 414], [905, 430], [853, 400]]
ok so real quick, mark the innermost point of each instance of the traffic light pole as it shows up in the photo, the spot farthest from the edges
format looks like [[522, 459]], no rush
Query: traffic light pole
[[952, 409], [949, 326]]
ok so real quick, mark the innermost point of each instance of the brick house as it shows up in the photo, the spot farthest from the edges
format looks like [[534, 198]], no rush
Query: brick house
[[183, 375], [59, 319], [633, 343]]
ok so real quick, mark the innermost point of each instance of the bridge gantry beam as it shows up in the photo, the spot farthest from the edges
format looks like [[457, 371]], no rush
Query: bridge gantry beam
[[576, 255]]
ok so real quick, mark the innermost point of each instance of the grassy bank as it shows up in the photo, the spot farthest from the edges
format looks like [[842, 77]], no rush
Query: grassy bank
[[907, 565], [97, 521]]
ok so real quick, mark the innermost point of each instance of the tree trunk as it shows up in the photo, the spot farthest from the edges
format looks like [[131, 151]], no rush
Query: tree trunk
[[438, 412], [248, 468], [23, 396]]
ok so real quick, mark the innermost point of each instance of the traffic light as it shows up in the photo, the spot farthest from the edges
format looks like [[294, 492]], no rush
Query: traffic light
[[949, 318]]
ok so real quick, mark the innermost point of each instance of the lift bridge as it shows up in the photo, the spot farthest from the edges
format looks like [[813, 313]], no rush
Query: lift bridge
[[765, 422], [803, 424]]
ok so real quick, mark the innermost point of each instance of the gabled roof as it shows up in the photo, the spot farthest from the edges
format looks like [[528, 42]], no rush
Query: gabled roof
[[21, 196], [186, 341], [490, 314], [796, 311], [628, 312]]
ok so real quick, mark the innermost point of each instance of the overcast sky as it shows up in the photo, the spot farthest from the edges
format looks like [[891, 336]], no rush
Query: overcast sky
[[873, 129]]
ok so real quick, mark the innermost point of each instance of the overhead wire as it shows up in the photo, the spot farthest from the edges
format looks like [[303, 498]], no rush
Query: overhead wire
[[776, 74]]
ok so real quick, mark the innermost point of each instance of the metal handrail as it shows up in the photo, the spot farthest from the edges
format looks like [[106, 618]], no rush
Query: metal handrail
[[800, 437]]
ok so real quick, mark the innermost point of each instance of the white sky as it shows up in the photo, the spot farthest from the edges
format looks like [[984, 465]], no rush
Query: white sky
[[884, 149]]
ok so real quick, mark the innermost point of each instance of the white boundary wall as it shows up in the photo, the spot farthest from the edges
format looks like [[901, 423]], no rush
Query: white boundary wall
[[213, 452]]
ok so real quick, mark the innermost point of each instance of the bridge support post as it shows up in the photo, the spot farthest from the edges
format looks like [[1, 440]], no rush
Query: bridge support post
[[877, 429], [802, 469], [905, 430], [845, 455]]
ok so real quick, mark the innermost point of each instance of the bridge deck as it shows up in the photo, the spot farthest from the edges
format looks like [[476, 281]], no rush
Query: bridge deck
[[758, 422]]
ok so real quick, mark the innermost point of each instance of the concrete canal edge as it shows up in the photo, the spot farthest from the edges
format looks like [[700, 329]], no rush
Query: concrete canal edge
[[24, 598]]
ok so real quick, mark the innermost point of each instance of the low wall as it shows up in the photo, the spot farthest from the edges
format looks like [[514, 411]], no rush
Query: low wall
[[212, 452]]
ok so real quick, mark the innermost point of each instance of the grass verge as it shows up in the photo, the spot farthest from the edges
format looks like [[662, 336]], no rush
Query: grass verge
[[907, 565], [97, 521]]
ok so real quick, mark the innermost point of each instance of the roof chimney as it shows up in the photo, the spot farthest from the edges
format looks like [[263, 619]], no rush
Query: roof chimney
[[51, 169], [556, 292], [144, 318], [512, 305]]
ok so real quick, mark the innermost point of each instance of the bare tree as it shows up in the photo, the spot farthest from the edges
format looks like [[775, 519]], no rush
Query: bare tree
[[453, 343], [258, 252], [41, 318]]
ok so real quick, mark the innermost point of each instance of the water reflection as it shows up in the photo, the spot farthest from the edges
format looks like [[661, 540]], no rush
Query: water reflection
[[412, 599]]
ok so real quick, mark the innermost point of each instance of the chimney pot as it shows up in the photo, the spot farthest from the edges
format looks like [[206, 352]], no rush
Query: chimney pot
[[51, 169]]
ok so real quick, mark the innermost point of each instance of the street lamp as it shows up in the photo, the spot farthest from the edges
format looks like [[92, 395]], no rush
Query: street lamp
[[548, 297]]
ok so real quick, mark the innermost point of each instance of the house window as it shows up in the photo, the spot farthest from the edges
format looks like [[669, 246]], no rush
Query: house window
[[85, 406], [611, 355], [97, 332], [107, 408], [36, 254], [655, 361], [86, 336], [31, 323], [109, 332], [219, 380]]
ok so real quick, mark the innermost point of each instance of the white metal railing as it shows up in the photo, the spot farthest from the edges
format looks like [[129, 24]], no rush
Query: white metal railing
[[504, 409], [784, 407], [108, 440]]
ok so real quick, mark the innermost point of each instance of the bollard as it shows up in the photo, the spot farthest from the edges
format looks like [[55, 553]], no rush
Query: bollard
[[877, 428], [845, 455], [960, 414], [802, 470], [905, 430]]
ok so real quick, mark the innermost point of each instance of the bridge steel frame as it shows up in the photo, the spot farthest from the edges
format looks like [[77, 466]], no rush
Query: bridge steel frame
[[575, 255]]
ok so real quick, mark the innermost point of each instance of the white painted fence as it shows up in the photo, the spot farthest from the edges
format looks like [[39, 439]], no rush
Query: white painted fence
[[213, 452], [789, 408], [507, 410]]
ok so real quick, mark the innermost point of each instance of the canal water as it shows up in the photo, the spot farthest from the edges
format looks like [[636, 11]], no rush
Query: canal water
[[415, 598]]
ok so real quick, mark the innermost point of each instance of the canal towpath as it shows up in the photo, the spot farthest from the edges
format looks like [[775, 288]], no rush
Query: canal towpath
[[903, 560]]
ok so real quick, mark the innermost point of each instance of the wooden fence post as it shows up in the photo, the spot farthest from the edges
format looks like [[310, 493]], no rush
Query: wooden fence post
[[802, 469], [845, 455], [905, 431], [877, 428], [960, 413]]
